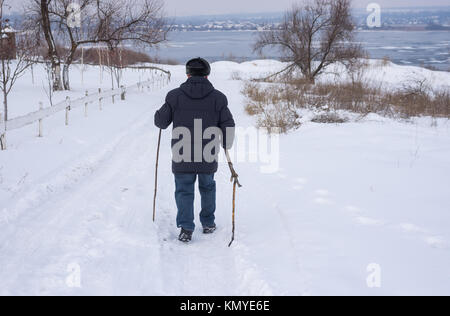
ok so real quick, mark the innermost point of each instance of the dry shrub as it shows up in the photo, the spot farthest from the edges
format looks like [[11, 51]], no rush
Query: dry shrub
[[356, 68], [441, 104], [236, 75], [277, 105], [328, 118], [385, 61], [164, 61], [272, 107], [429, 67], [417, 98], [127, 56], [279, 116], [353, 97], [94, 55], [414, 99], [231, 57]]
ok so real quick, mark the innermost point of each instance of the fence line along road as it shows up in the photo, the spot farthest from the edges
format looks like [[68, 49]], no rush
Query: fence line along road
[[68, 105]]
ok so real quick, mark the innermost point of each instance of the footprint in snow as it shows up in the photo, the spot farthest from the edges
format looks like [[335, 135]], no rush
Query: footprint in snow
[[323, 201], [299, 184], [432, 241], [368, 221], [301, 180], [322, 192], [359, 218], [322, 197], [411, 228], [353, 210], [94, 217], [436, 242]]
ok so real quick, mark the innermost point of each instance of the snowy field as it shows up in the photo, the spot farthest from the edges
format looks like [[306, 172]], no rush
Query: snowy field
[[347, 202]]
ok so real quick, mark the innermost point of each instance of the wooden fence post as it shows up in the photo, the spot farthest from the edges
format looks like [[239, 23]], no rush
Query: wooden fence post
[[122, 95], [86, 105], [100, 99], [67, 110], [149, 84], [2, 141], [2, 133], [41, 106]]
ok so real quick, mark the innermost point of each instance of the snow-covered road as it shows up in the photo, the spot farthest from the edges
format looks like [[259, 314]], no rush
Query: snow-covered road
[[345, 197], [99, 219]]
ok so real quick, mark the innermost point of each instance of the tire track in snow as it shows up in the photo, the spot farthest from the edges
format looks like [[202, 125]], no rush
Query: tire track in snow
[[61, 180], [206, 266], [40, 240], [294, 244], [91, 218]]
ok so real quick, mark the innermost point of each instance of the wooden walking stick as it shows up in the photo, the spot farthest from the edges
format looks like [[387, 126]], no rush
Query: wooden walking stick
[[235, 180], [156, 174]]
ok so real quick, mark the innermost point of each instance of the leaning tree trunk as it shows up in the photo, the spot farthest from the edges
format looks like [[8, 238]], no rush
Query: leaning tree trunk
[[66, 68], [5, 107], [4, 118], [5, 92], [56, 76], [66, 80], [52, 52]]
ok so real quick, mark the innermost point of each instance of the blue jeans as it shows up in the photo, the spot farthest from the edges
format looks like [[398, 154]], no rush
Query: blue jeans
[[184, 196]]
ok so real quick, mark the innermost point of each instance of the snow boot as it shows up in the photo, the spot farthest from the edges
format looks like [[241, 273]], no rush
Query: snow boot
[[185, 235], [209, 230]]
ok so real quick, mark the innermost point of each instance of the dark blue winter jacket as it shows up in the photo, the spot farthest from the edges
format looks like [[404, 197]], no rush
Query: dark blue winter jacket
[[195, 100]]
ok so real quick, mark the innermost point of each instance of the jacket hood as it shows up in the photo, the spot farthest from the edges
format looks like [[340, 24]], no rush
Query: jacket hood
[[197, 87]]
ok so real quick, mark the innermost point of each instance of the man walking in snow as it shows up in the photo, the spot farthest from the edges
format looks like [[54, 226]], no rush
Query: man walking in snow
[[202, 123]]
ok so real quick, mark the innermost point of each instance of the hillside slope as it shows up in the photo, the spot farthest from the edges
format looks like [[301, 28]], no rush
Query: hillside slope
[[344, 197]]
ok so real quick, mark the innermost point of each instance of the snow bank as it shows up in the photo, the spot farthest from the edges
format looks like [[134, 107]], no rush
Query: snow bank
[[347, 199]]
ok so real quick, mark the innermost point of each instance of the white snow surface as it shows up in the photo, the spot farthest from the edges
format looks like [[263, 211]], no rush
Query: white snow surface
[[345, 197]]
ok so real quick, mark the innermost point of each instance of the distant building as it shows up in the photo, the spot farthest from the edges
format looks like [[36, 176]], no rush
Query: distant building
[[8, 46]]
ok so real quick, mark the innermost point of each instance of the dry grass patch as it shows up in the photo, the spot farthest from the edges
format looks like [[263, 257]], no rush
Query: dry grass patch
[[277, 105]]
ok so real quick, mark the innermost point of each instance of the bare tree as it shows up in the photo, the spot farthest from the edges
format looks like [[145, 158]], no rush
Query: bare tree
[[313, 36], [52, 55], [13, 66], [108, 22], [39, 21], [47, 85], [116, 65]]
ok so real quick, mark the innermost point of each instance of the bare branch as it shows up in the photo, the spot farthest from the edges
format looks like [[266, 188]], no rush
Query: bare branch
[[17, 53], [313, 36]]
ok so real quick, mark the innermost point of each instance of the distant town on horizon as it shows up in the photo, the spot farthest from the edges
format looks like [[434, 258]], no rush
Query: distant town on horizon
[[430, 18], [414, 18]]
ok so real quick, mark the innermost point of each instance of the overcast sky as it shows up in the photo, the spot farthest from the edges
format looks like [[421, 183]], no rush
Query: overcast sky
[[204, 7]]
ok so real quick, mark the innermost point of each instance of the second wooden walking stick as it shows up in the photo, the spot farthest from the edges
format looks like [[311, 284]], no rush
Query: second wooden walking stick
[[156, 175], [235, 180]]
